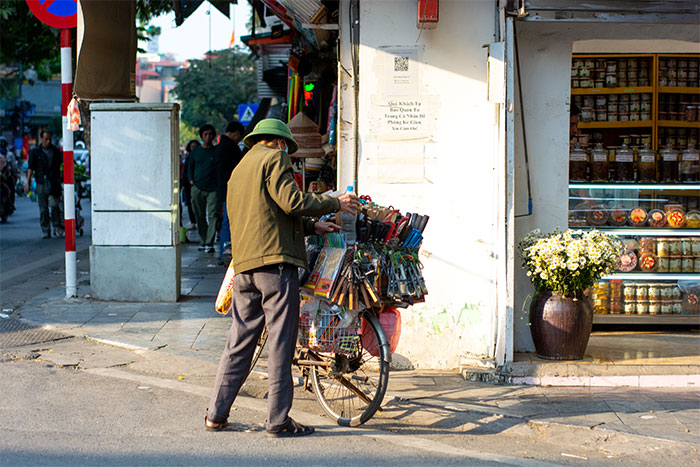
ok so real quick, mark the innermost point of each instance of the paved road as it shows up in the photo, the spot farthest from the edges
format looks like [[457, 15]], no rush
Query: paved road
[[29, 264], [79, 418]]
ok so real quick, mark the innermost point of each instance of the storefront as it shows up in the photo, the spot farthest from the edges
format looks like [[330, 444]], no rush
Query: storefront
[[446, 122], [615, 69]]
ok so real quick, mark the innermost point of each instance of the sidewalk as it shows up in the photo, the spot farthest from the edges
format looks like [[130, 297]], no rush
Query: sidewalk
[[187, 337]]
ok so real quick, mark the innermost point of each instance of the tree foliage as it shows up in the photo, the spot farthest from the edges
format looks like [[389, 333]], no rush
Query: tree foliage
[[26, 39], [210, 91]]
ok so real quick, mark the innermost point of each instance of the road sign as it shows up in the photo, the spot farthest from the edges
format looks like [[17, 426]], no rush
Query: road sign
[[246, 112], [61, 14]]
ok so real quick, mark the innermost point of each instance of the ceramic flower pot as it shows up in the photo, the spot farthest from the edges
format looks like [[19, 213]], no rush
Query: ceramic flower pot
[[560, 326]]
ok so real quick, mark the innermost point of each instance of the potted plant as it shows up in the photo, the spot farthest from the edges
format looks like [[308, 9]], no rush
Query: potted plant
[[561, 266]]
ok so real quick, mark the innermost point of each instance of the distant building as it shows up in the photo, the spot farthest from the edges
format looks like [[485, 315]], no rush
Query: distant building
[[155, 77]]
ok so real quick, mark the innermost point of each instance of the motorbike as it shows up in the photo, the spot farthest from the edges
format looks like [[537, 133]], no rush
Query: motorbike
[[7, 193]]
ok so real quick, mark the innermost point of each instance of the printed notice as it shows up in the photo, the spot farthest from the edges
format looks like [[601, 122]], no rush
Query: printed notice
[[397, 70], [402, 119]]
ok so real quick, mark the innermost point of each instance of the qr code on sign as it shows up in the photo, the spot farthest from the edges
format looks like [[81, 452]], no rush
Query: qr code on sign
[[400, 63]]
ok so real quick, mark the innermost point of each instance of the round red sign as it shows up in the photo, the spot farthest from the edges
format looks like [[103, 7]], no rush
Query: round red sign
[[62, 14]]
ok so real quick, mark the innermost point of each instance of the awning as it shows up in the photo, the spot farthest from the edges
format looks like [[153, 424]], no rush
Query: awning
[[297, 15], [609, 11], [184, 8]]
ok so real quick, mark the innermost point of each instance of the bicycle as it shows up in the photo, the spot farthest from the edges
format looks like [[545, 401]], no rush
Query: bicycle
[[349, 386]]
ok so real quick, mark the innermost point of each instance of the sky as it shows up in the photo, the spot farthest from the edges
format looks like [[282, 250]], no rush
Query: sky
[[191, 39]]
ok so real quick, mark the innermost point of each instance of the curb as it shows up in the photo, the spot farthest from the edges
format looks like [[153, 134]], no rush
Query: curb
[[490, 376]]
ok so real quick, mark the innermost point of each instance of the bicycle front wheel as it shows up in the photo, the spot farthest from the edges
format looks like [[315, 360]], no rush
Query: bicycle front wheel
[[351, 388]]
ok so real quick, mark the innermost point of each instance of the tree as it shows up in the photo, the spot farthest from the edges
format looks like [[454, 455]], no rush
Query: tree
[[211, 90], [27, 40]]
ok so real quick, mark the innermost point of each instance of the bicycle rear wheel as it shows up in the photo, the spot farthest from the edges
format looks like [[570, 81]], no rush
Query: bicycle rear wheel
[[352, 388]]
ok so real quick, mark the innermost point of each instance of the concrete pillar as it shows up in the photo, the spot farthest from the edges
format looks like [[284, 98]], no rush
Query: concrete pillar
[[135, 252]]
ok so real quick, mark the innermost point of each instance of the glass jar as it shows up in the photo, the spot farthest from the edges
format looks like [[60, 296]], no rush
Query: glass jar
[[690, 165], [648, 245], [599, 164], [654, 292], [669, 164], [646, 164], [654, 308], [578, 164], [675, 264], [642, 292], [687, 264], [624, 164], [675, 246], [687, 246]]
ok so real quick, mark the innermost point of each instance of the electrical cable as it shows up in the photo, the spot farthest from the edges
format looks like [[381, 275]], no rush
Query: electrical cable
[[522, 122]]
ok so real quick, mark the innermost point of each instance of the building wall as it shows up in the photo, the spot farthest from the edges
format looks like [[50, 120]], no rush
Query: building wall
[[151, 91], [440, 160], [545, 57]]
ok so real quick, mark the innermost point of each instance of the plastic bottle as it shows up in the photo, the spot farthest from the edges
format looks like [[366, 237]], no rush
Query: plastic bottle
[[347, 223]]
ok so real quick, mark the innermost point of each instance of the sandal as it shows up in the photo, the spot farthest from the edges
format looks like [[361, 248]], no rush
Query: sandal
[[291, 429], [218, 427]]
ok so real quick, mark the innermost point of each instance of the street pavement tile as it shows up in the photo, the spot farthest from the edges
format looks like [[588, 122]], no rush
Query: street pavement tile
[[647, 419], [681, 405], [672, 393], [208, 343], [583, 407], [634, 406]]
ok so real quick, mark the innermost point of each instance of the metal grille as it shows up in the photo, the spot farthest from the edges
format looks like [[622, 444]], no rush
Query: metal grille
[[15, 333], [269, 61], [614, 11]]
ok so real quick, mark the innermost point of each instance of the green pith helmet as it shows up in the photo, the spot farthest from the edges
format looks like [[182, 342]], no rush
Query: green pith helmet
[[271, 127]]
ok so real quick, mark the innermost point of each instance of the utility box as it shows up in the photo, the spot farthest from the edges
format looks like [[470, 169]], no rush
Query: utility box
[[134, 165]]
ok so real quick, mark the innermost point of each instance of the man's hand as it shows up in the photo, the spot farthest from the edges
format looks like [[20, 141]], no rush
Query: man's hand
[[349, 202], [26, 187], [321, 228]]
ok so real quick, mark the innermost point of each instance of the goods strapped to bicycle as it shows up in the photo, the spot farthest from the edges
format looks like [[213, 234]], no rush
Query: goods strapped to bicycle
[[349, 322]]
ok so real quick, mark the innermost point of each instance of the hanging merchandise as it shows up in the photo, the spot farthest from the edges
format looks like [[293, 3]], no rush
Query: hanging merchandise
[[381, 271], [306, 134], [73, 113]]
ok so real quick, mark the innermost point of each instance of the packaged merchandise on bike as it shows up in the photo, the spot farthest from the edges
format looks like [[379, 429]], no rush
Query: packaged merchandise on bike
[[380, 272]]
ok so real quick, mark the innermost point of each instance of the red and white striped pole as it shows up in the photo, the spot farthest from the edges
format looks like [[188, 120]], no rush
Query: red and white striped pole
[[68, 175]]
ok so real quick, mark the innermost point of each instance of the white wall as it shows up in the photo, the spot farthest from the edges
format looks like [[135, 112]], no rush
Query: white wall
[[545, 56], [447, 172]]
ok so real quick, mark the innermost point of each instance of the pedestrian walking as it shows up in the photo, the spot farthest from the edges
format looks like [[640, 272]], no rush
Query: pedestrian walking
[[265, 206], [185, 183], [202, 175], [45, 165], [227, 155]]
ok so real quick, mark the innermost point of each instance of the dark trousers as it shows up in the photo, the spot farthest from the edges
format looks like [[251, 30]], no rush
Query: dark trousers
[[47, 203], [267, 296]]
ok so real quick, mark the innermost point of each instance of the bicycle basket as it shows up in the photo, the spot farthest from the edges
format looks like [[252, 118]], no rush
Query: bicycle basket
[[327, 332]]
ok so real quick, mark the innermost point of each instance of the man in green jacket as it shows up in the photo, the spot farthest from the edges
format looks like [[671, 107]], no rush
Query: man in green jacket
[[202, 175], [269, 217]]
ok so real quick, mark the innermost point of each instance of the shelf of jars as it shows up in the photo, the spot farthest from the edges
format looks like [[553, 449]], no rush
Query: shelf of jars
[[678, 90], [616, 90], [650, 301], [677, 124], [621, 184], [673, 319], [617, 124]]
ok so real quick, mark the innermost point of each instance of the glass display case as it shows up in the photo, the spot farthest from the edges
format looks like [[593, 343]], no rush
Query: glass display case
[[658, 277]]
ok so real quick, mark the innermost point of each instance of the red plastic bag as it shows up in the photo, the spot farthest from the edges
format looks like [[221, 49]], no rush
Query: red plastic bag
[[390, 320]]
